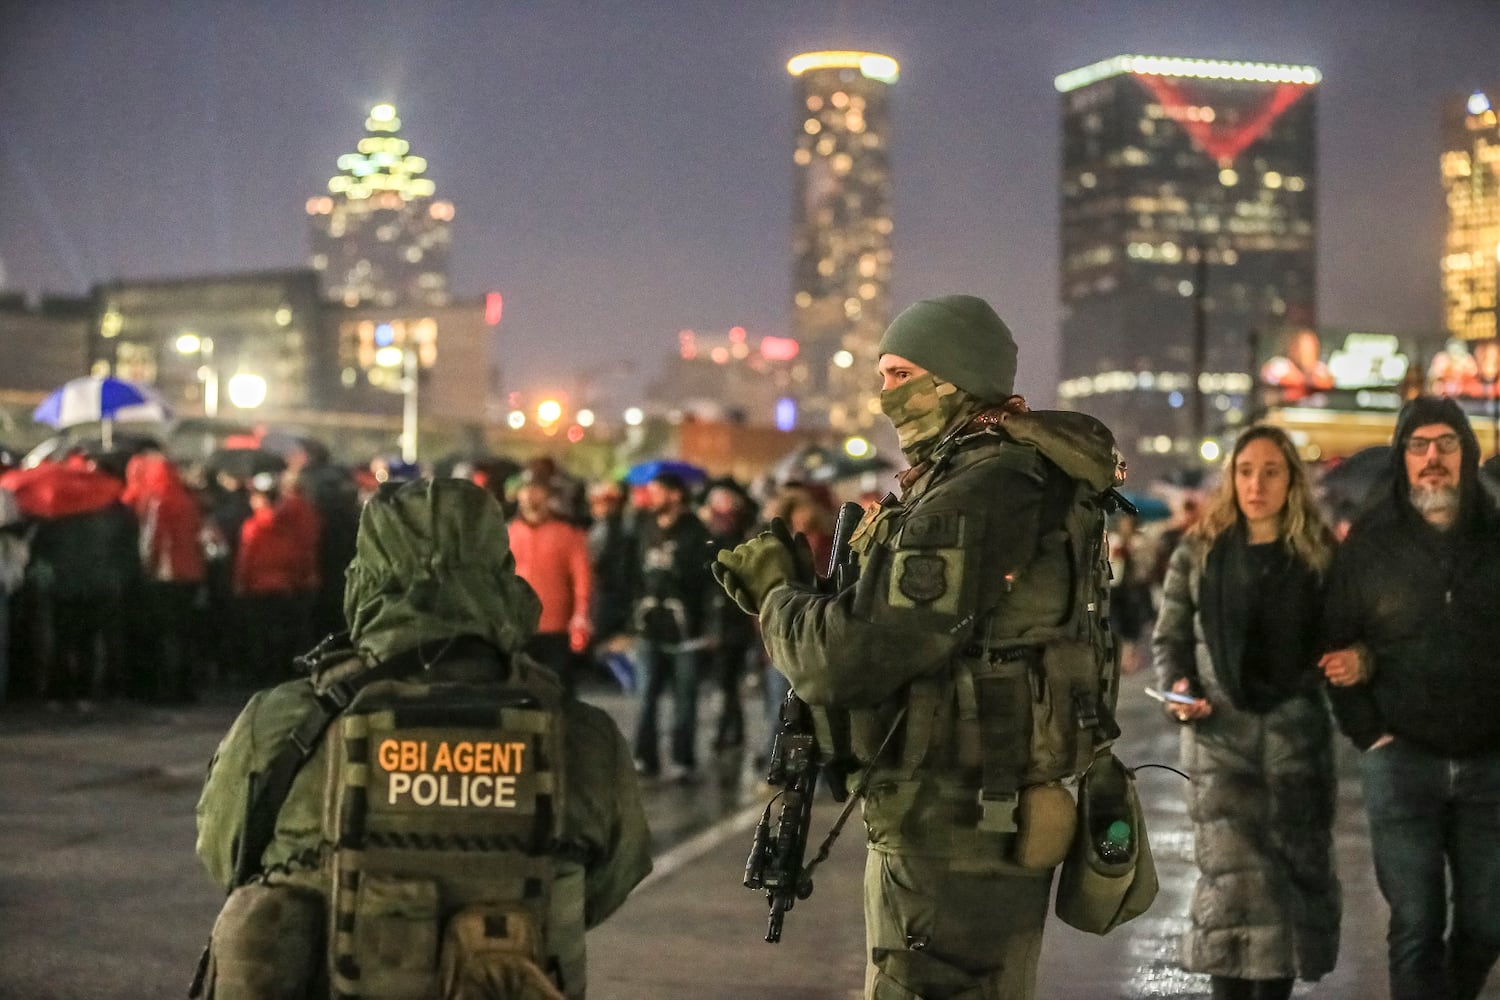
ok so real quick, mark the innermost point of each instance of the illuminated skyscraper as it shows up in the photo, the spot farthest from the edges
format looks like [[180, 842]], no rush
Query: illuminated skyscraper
[[841, 231], [1471, 188], [379, 237], [1188, 236]]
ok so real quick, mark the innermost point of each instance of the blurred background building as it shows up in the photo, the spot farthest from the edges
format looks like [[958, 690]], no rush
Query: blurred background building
[[841, 232], [379, 236], [1189, 242], [1471, 191], [731, 377], [198, 338]]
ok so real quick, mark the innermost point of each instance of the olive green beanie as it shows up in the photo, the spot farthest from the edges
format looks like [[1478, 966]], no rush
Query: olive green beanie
[[960, 340]]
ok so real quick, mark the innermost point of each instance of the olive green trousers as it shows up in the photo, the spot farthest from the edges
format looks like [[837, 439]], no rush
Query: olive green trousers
[[940, 930]]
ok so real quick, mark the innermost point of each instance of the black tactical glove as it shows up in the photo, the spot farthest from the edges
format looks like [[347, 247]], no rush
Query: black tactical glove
[[752, 569]]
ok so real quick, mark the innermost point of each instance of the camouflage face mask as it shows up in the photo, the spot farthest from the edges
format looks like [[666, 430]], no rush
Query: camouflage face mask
[[920, 408]]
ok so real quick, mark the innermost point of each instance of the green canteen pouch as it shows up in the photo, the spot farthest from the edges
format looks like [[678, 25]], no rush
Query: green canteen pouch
[[493, 951], [395, 940], [1095, 895], [267, 943], [1046, 819]]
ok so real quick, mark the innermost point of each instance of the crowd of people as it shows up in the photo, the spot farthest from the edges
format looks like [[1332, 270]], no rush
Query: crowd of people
[[132, 577]]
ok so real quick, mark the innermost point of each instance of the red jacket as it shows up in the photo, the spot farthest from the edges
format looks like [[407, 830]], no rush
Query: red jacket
[[168, 517], [554, 558], [278, 551]]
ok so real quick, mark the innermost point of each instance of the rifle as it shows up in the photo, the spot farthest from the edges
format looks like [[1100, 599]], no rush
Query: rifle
[[797, 759]]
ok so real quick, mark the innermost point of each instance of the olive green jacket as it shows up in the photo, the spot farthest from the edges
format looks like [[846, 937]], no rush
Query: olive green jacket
[[606, 843], [972, 554]]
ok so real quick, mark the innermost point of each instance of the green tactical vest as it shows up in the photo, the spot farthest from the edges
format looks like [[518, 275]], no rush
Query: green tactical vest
[[444, 808], [1030, 702]]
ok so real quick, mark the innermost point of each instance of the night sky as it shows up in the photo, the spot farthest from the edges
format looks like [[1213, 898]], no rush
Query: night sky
[[622, 170]]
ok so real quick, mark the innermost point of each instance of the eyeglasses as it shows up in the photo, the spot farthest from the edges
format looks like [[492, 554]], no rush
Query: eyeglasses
[[1447, 444]]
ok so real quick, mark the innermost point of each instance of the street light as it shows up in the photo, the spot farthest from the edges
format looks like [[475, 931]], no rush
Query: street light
[[191, 343], [247, 391]]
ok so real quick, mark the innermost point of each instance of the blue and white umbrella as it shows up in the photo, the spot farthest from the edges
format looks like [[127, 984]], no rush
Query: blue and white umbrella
[[98, 398], [103, 400]]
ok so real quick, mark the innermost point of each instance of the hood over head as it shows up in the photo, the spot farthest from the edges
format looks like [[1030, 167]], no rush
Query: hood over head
[[432, 561], [1424, 410], [961, 340]]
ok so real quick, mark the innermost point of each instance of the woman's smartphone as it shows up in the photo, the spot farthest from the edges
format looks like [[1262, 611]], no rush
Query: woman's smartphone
[[1171, 696]]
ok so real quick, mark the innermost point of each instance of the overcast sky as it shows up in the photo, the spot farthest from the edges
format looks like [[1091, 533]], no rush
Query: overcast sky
[[622, 170]]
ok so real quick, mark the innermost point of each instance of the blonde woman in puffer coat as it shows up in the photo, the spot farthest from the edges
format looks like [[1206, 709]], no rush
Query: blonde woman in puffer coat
[[1238, 632]]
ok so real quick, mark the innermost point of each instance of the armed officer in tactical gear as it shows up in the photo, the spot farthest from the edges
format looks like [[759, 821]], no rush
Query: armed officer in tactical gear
[[453, 820], [938, 645]]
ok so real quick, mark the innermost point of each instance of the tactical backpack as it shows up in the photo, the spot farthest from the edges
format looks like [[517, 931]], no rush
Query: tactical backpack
[[442, 810], [1057, 680], [444, 807]]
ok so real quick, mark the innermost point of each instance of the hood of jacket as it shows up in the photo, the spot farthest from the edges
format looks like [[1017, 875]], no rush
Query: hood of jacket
[[1474, 503], [432, 562]]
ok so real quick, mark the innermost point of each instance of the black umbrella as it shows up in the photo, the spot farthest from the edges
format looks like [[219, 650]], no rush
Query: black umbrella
[[824, 464], [242, 463]]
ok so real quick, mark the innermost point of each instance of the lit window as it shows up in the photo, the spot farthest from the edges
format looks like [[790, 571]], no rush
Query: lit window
[[840, 99], [814, 103], [812, 126], [802, 157]]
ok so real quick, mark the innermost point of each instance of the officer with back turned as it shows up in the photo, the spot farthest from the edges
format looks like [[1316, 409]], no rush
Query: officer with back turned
[[428, 813], [932, 652]]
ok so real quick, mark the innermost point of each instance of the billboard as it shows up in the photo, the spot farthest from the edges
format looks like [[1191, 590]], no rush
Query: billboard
[[1303, 368], [1466, 369]]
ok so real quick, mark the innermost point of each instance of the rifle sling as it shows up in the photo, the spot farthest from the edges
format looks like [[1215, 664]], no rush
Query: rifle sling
[[269, 789]]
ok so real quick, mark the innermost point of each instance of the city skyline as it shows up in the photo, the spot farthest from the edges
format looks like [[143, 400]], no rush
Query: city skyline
[[621, 175]]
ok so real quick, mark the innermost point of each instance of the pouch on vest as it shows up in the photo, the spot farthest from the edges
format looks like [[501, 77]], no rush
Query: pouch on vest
[[445, 800], [490, 953], [1096, 893], [267, 944]]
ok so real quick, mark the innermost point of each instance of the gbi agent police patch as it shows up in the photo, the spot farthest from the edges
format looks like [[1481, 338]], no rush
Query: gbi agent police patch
[[444, 773]]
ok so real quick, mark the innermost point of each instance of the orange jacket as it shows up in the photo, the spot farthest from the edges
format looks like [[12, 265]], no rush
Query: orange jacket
[[554, 558]]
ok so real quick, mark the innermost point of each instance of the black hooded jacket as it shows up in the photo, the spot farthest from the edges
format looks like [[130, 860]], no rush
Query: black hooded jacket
[[1426, 605]]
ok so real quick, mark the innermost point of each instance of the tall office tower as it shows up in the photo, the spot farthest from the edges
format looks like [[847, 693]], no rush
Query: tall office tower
[[1189, 242], [841, 232], [379, 237], [1471, 188]]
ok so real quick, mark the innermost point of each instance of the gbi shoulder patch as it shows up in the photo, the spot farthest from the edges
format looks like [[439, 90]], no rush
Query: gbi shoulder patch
[[923, 577], [927, 566]]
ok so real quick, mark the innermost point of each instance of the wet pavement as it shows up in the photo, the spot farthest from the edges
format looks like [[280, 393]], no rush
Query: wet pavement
[[101, 896]]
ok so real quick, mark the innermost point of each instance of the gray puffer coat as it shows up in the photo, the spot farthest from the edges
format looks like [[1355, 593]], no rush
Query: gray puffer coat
[[1267, 903]]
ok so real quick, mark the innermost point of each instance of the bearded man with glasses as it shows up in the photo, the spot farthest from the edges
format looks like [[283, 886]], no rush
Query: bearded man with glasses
[[1413, 629]]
